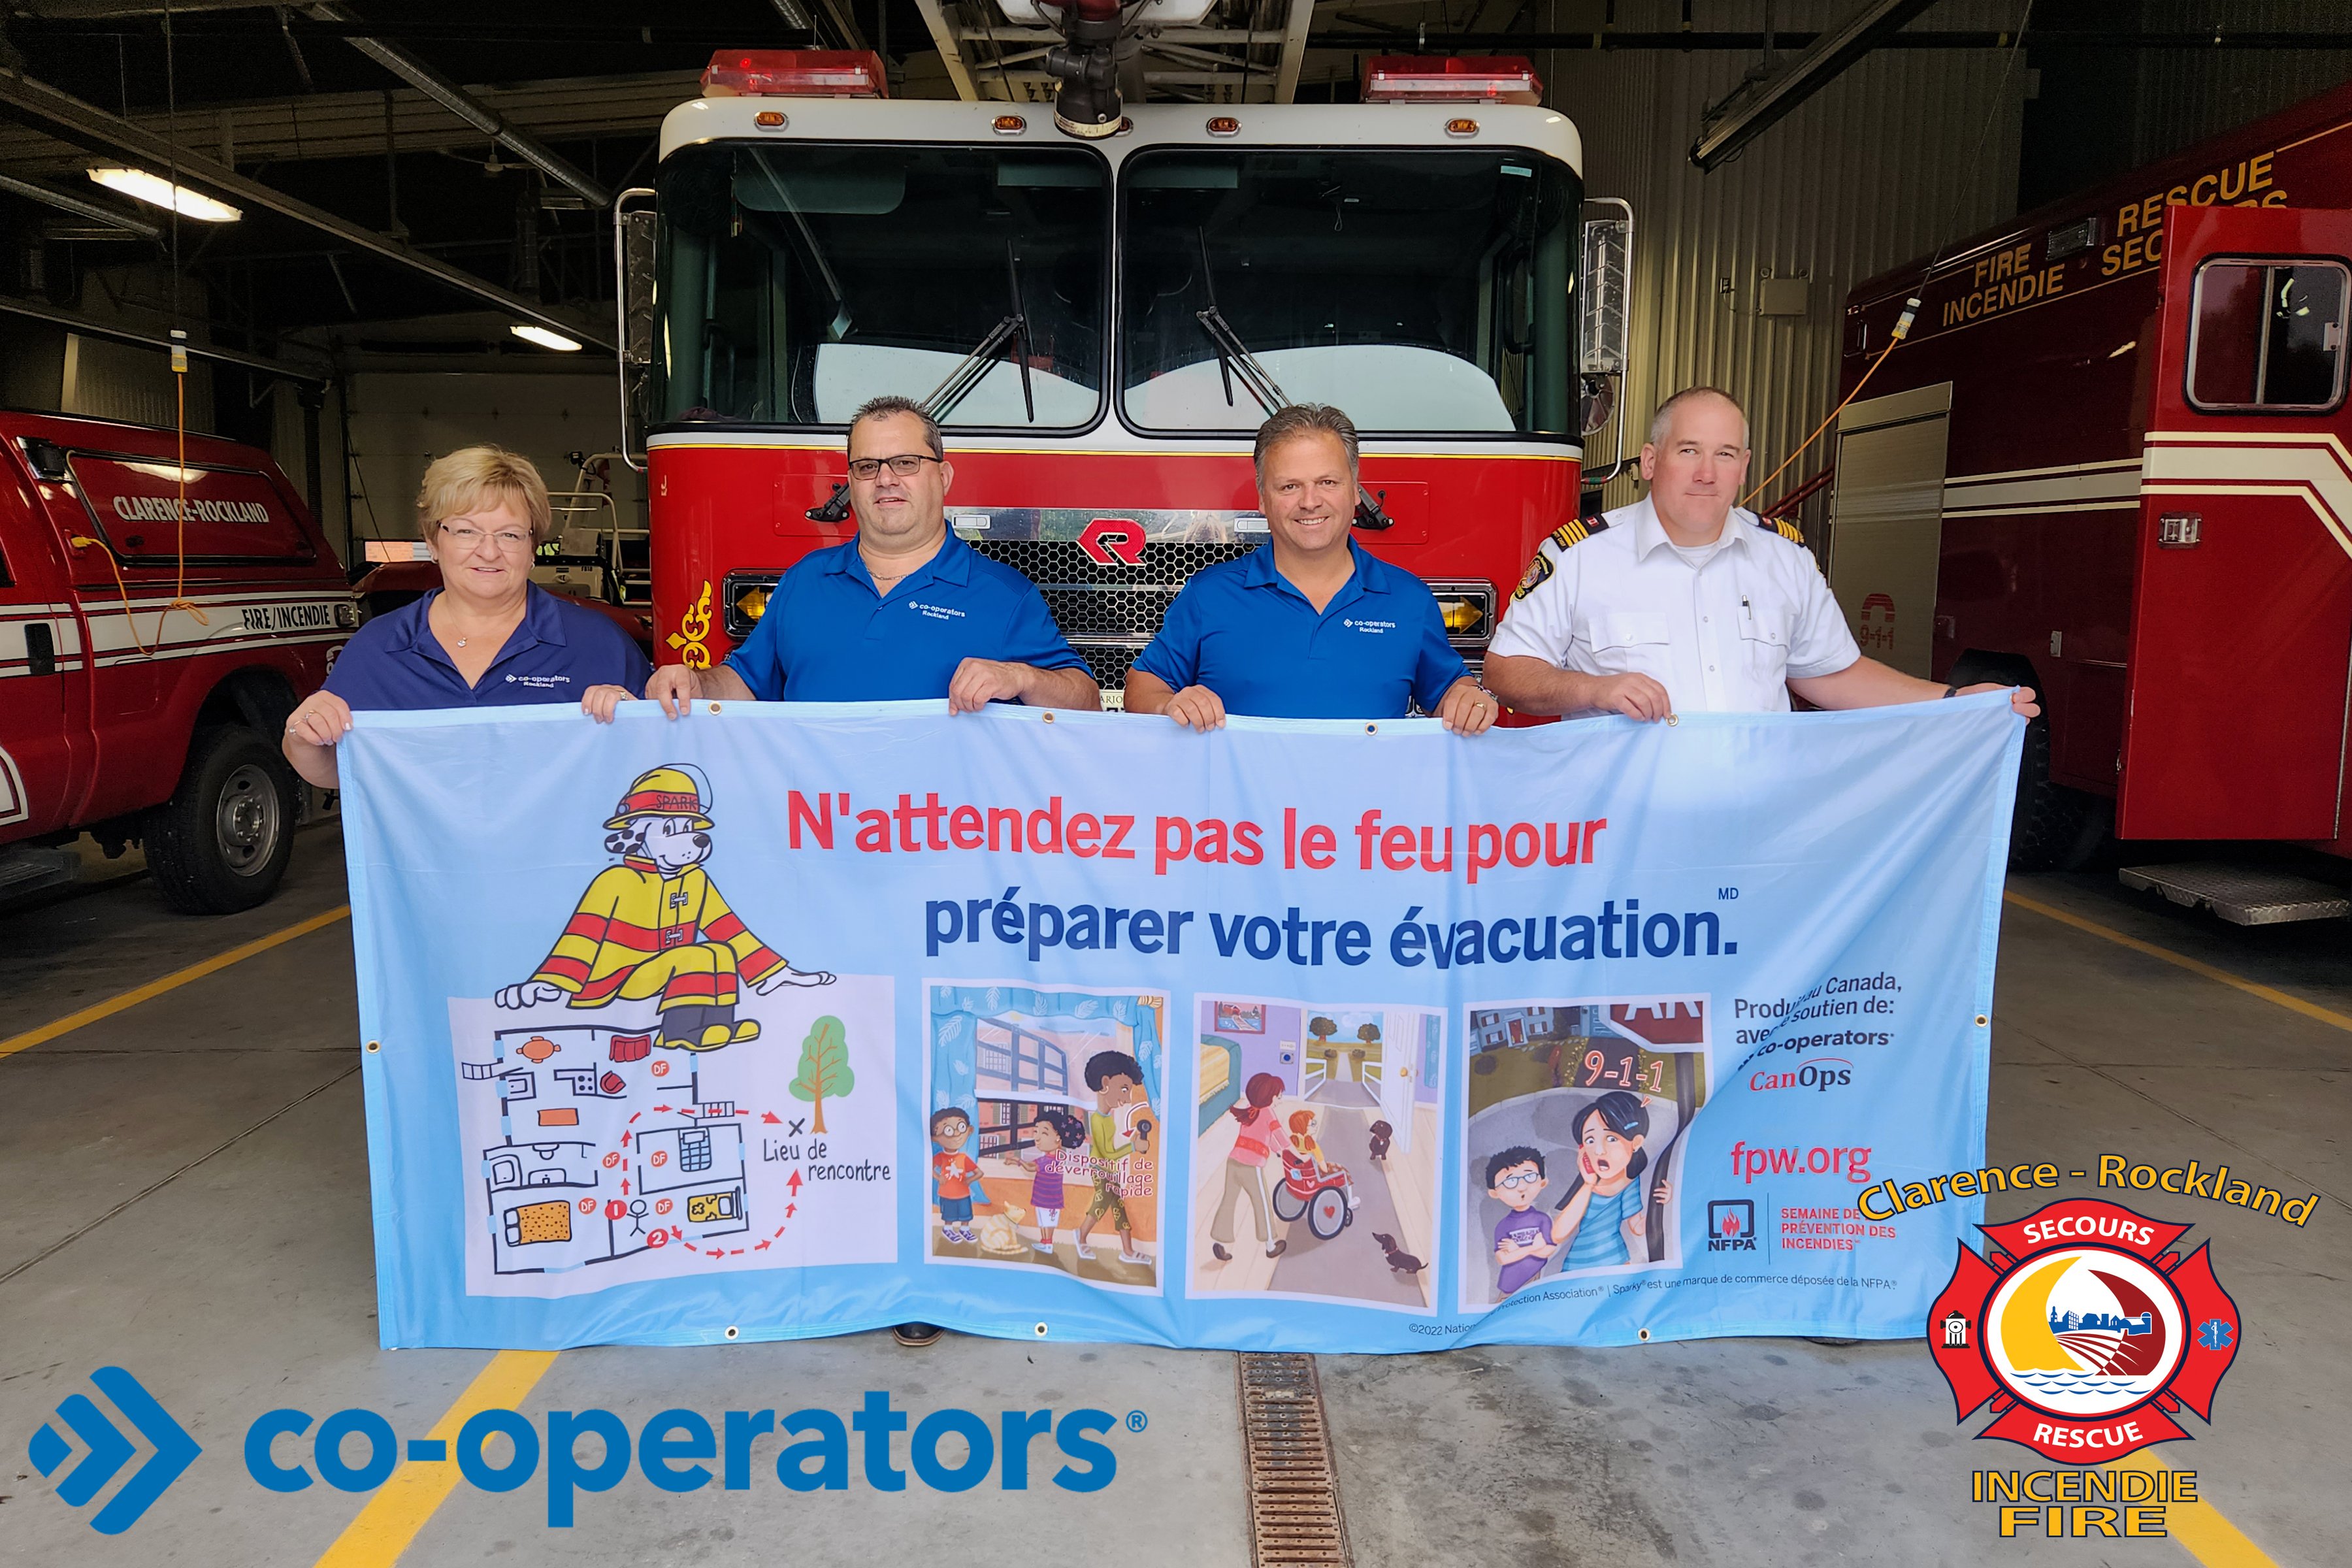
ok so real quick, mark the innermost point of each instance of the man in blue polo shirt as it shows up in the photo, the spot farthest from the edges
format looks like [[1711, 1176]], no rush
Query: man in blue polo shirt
[[1309, 626], [904, 610]]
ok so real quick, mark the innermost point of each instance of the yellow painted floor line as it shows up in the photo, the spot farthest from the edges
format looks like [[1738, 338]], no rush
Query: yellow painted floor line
[[2311, 1010], [400, 1508], [171, 982], [2199, 1526]]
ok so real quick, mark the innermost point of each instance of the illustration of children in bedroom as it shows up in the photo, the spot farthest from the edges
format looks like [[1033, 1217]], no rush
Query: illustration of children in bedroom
[[1062, 1091]]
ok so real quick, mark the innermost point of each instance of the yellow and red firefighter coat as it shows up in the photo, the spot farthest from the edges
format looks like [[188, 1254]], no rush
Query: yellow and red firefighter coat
[[638, 934]]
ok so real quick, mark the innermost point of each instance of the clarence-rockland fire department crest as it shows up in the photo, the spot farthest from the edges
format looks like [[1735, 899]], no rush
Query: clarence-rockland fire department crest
[[2082, 1331]]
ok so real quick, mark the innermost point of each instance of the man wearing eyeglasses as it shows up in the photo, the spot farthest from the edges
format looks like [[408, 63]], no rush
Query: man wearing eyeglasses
[[904, 610]]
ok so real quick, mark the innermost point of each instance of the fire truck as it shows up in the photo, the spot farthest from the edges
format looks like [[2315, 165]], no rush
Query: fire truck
[[2109, 459], [164, 602], [1101, 305]]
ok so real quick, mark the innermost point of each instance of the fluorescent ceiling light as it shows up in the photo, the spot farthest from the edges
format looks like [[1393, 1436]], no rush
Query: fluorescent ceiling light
[[544, 338], [156, 191]]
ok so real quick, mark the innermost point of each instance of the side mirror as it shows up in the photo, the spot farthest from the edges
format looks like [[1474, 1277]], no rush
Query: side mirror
[[1605, 291], [634, 265]]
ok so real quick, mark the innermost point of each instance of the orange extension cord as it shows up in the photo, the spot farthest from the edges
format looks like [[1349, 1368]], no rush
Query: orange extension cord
[[1902, 331], [180, 584]]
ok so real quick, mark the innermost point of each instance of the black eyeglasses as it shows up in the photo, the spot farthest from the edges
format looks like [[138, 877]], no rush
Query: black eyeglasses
[[904, 465]]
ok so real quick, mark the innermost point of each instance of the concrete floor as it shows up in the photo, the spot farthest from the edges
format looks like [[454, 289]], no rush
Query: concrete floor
[[188, 1198]]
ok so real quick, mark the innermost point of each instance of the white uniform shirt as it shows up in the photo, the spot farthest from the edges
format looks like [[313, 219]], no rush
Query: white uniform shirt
[[1723, 637]]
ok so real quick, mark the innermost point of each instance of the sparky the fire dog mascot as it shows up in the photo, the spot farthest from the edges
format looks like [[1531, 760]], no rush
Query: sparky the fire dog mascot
[[655, 925]]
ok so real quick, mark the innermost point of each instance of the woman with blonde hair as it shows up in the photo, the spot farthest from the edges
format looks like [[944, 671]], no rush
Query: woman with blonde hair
[[487, 637]]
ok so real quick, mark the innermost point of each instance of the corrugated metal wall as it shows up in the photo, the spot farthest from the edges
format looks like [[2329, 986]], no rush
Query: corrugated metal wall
[[108, 380], [2186, 97], [1904, 151], [400, 421]]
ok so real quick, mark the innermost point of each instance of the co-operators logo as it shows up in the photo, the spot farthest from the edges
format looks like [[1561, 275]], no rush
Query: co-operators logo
[[106, 1448], [677, 1451]]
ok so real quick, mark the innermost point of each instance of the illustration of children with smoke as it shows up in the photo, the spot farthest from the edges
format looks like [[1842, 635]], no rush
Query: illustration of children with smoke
[[1600, 1219]]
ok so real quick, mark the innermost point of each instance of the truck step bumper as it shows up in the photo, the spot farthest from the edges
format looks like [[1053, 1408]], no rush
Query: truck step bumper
[[2243, 895], [28, 869]]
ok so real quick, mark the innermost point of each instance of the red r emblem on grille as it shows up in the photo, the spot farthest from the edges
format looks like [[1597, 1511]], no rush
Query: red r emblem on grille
[[1113, 541]]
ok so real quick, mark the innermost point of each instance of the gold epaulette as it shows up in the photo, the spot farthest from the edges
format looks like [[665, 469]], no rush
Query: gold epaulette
[[1567, 536], [1784, 528], [1575, 531]]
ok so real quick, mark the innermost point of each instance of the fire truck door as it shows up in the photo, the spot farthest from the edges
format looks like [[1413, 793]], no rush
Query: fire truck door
[[42, 687], [2241, 652], [1886, 522]]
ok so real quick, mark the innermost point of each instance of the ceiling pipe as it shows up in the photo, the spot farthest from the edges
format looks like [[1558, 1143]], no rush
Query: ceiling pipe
[[38, 104], [1371, 40], [80, 208], [466, 107], [1761, 101], [86, 327]]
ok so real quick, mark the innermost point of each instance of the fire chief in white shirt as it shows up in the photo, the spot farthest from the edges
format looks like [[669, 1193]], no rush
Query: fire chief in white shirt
[[1682, 602]]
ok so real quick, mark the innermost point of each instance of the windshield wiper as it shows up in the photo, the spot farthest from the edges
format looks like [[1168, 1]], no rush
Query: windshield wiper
[[1233, 355], [1234, 358], [1012, 332], [962, 381]]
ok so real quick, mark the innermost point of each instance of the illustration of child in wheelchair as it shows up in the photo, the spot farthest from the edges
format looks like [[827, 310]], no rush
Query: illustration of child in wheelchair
[[1322, 1191]]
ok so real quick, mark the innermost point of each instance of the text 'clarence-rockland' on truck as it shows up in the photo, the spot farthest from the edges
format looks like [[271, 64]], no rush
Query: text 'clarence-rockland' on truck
[[164, 602]]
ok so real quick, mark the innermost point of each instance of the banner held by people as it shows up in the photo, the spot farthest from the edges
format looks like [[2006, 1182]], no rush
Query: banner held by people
[[776, 1021]]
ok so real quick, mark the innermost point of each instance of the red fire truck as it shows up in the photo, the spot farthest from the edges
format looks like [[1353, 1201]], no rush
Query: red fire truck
[[1100, 318], [2110, 461], [160, 616]]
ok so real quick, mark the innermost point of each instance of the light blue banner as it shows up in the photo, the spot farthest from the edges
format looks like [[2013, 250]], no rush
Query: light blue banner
[[792, 1020]]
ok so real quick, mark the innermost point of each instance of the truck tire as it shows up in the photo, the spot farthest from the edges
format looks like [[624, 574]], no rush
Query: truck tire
[[220, 843], [2054, 828]]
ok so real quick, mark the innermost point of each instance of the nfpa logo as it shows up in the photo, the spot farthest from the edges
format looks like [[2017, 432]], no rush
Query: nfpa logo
[[1731, 1225]]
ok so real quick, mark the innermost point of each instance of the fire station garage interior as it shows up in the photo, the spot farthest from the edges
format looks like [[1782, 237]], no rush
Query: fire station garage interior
[[2037, 309]]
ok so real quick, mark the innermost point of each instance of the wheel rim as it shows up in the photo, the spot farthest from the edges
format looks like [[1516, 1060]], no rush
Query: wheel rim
[[248, 820]]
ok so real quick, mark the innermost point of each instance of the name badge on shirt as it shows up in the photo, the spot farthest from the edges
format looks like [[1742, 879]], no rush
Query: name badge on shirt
[[1376, 629], [935, 612]]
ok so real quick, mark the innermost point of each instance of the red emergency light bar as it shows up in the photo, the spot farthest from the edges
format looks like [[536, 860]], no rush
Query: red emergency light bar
[[795, 73], [1427, 79]]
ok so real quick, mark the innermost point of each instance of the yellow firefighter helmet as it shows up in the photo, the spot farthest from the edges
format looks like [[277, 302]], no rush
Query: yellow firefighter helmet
[[673, 790]]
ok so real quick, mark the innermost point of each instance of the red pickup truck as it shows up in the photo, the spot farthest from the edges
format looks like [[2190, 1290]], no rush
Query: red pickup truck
[[160, 616]]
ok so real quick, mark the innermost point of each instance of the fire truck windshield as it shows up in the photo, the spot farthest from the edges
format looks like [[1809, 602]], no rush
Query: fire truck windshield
[[1425, 291], [799, 279]]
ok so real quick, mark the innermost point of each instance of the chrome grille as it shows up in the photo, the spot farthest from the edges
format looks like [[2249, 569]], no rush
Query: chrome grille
[[1044, 560], [1109, 613]]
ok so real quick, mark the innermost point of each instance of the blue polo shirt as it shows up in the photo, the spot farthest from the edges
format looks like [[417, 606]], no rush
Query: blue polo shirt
[[828, 636], [562, 648], [1240, 629]]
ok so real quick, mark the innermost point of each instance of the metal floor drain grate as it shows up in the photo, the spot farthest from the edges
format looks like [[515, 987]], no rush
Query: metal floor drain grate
[[1294, 1496]]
